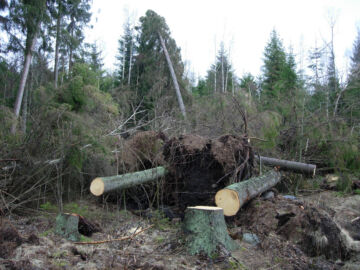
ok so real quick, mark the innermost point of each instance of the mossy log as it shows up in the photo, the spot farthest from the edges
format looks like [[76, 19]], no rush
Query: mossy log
[[206, 230], [234, 196], [102, 185]]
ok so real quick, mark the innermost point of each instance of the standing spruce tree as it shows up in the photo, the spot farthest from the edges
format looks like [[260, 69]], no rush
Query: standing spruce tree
[[157, 62], [125, 57], [78, 12], [280, 85], [350, 101], [220, 77], [274, 63]]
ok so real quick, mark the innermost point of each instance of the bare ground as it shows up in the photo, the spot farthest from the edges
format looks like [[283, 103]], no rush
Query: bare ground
[[29, 242]]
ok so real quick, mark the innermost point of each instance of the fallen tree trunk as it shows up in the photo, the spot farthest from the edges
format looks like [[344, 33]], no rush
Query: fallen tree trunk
[[287, 165], [236, 195], [101, 185]]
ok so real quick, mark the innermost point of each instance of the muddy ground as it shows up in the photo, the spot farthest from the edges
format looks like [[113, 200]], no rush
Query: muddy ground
[[293, 234]]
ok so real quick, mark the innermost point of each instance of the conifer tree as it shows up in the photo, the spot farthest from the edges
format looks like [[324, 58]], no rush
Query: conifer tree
[[126, 53], [152, 76], [220, 76]]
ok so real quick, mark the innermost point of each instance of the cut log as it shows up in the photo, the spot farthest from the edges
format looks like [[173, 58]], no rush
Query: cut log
[[287, 165], [101, 185], [206, 230], [234, 196]]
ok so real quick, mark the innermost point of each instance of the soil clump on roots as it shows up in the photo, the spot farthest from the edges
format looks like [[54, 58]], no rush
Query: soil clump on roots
[[201, 166]]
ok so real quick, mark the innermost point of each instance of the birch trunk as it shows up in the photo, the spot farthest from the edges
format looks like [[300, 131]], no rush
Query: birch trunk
[[24, 76], [131, 52], [57, 46], [173, 75], [25, 110], [222, 74]]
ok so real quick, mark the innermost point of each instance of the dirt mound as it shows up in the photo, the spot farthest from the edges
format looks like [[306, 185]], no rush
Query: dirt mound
[[143, 151], [312, 229], [202, 166], [9, 239]]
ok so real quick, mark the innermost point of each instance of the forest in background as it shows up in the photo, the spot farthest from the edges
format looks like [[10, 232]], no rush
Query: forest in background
[[64, 120]]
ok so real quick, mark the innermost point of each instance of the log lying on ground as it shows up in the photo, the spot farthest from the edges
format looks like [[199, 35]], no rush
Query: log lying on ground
[[234, 196], [287, 165], [206, 230], [102, 185]]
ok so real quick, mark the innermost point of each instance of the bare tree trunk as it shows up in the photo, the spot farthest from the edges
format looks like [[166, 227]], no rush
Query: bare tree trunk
[[222, 74], [215, 69], [131, 52], [173, 75], [226, 79], [25, 110], [24, 76], [56, 65], [337, 101], [71, 45]]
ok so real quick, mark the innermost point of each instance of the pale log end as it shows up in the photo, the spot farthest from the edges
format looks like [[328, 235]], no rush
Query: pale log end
[[228, 200], [97, 187]]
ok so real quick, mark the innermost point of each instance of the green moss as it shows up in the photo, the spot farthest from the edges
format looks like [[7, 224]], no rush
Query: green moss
[[74, 207], [160, 239], [46, 233], [49, 207], [344, 184], [83, 238]]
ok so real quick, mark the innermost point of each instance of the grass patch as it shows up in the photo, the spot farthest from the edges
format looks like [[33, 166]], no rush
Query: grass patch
[[46, 233]]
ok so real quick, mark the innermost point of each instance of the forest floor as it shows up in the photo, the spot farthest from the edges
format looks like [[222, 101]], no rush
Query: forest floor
[[29, 241]]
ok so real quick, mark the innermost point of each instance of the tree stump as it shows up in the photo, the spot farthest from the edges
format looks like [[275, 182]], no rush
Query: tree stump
[[67, 226], [206, 230]]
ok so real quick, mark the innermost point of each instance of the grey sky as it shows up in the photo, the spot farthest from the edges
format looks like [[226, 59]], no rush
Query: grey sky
[[244, 26]]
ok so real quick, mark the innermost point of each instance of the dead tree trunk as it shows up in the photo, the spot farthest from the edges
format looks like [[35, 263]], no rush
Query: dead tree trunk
[[234, 196], [287, 165], [101, 185], [206, 230], [24, 76], [173, 75]]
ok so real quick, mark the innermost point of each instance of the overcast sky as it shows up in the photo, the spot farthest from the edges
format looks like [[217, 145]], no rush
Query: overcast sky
[[243, 26]]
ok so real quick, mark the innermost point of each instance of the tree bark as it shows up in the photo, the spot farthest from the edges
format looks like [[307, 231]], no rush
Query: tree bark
[[173, 75], [101, 185], [286, 165], [25, 110], [130, 60], [24, 76], [57, 46], [206, 230], [236, 195]]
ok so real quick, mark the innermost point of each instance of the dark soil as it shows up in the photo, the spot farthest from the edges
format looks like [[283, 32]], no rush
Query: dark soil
[[201, 166], [311, 228]]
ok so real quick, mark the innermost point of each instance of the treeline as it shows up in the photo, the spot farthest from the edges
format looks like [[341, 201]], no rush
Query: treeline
[[64, 118]]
